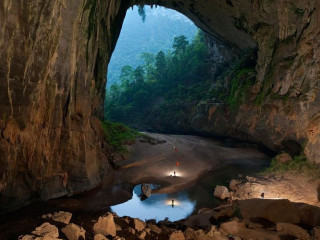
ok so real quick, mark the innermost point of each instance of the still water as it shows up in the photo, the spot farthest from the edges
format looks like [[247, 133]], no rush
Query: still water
[[186, 202], [157, 206]]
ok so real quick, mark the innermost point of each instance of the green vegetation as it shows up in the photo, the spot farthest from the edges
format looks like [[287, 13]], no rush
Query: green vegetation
[[243, 79], [299, 165], [163, 86], [155, 34], [118, 135]]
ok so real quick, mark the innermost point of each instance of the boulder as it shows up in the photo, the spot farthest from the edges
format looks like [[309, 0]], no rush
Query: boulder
[[232, 227], [233, 184], [74, 232], [27, 237], [283, 157], [47, 238], [46, 230], [123, 223], [105, 225], [63, 217], [130, 230], [146, 190], [238, 229], [137, 224], [316, 233], [99, 236], [142, 234], [176, 235], [214, 233], [222, 213], [221, 192], [154, 228], [293, 230], [191, 234], [273, 210]]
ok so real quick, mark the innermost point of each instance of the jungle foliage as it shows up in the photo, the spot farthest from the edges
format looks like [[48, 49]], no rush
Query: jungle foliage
[[162, 85]]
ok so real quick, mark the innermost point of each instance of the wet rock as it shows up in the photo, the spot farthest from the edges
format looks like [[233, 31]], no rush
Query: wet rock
[[74, 232], [176, 235], [137, 224], [47, 230], [99, 236], [283, 157], [63, 217], [105, 225], [293, 230], [221, 192]]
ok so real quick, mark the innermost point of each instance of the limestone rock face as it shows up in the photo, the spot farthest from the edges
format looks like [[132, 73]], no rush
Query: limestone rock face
[[54, 56]]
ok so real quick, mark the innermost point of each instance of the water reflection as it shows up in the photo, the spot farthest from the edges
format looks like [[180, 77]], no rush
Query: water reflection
[[157, 206], [200, 195]]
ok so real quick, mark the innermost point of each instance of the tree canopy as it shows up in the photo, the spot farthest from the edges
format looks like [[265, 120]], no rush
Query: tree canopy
[[162, 86]]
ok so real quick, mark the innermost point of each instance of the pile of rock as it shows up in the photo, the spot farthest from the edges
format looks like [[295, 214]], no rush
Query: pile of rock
[[249, 219]]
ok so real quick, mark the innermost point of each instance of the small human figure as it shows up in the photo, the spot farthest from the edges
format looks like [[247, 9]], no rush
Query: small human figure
[[174, 173], [172, 203], [262, 195], [175, 149]]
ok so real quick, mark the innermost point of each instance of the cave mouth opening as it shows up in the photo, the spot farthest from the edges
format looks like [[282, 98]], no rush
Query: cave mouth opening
[[146, 71], [164, 70]]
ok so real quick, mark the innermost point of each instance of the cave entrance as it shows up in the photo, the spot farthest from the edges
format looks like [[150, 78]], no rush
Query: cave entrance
[[160, 65]]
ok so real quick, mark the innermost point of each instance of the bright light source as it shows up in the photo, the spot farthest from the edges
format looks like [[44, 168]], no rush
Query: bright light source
[[174, 174], [173, 202]]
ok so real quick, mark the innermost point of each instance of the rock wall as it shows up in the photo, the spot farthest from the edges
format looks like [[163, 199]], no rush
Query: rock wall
[[54, 57]]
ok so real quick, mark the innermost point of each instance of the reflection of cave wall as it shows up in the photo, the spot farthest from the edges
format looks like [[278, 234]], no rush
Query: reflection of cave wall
[[52, 78]]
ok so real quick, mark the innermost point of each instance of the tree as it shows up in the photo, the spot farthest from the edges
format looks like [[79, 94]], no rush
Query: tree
[[180, 44], [126, 76], [139, 75], [161, 64]]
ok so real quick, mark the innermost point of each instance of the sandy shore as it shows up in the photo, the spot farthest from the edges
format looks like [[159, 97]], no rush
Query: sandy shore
[[155, 163]]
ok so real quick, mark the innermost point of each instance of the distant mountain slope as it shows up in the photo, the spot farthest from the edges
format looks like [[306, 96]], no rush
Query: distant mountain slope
[[155, 34]]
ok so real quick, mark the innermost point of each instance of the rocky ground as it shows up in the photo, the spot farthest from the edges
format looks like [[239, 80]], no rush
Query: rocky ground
[[244, 217], [247, 219]]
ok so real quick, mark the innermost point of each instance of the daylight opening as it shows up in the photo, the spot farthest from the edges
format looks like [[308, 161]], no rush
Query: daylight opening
[[158, 69]]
